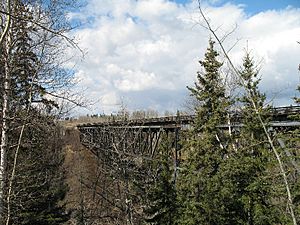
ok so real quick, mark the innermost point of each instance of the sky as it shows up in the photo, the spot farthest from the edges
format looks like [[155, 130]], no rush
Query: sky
[[143, 53]]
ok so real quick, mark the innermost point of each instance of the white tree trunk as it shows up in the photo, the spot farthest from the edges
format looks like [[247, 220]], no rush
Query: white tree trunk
[[4, 131], [4, 50]]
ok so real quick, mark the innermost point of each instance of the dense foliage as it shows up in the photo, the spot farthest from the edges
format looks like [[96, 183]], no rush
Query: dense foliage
[[163, 205]]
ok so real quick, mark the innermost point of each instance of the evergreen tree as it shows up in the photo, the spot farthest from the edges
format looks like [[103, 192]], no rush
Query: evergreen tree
[[248, 192], [290, 144], [225, 182], [163, 206], [24, 72], [242, 184], [209, 91], [204, 148], [28, 84], [251, 81]]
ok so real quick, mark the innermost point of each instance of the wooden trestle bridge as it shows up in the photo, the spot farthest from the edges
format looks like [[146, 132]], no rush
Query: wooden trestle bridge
[[140, 137], [125, 150]]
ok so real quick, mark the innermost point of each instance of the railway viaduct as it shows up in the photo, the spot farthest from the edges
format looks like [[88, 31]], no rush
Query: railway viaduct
[[142, 136]]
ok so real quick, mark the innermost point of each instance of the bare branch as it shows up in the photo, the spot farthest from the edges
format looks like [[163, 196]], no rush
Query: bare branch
[[8, 21], [55, 32]]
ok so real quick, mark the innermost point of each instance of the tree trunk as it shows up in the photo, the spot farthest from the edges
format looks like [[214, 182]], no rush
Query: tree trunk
[[4, 50]]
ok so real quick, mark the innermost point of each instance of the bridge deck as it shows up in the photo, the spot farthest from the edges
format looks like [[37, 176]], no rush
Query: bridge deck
[[279, 115]]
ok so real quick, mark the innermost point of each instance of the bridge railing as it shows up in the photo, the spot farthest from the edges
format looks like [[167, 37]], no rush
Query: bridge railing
[[278, 114]]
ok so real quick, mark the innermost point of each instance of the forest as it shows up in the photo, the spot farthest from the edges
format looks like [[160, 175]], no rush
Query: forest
[[212, 173]]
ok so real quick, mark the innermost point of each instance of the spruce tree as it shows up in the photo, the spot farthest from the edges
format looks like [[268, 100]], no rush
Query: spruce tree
[[290, 144], [162, 198], [209, 91], [204, 149], [246, 191]]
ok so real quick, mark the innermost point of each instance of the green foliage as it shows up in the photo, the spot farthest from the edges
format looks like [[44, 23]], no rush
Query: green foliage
[[227, 176], [252, 98], [162, 209], [204, 149], [38, 185], [291, 142], [24, 60], [30, 59], [246, 188], [209, 91]]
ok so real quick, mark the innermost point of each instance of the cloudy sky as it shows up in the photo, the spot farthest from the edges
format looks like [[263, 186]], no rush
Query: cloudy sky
[[145, 52]]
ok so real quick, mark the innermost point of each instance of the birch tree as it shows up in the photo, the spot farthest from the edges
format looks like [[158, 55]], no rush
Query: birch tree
[[5, 43], [33, 37]]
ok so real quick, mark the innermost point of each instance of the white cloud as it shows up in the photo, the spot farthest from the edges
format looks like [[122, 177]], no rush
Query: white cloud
[[139, 48], [131, 80], [155, 9], [110, 99]]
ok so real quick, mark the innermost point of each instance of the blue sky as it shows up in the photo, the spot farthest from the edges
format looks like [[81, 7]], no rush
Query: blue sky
[[255, 6], [147, 59]]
